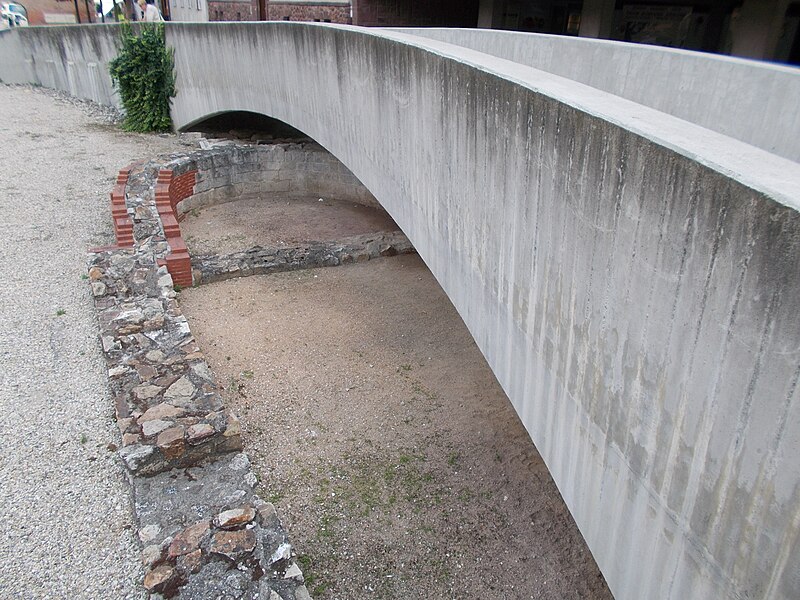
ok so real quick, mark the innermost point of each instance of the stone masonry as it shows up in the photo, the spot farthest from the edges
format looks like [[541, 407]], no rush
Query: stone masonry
[[205, 533], [259, 261]]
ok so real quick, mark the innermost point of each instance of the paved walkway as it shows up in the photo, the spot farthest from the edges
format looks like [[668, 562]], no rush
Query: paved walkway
[[64, 503]]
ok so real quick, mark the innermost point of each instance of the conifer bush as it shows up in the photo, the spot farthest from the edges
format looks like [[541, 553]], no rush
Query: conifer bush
[[143, 73]]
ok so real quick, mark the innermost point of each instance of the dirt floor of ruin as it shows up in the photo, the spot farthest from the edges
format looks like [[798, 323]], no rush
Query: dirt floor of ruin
[[393, 456], [272, 221]]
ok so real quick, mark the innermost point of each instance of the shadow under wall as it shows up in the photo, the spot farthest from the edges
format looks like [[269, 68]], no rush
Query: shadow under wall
[[242, 124]]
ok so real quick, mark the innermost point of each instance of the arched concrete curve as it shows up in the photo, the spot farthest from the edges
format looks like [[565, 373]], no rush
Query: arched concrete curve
[[631, 278]]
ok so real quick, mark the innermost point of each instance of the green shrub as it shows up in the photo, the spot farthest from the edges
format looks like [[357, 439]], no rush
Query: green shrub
[[143, 74]]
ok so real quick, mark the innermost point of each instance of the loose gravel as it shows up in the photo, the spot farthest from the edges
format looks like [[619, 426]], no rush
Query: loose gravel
[[64, 501]]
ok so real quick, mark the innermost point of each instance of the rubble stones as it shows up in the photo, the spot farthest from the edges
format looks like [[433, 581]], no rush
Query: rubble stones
[[162, 411], [98, 288], [234, 544], [195, 434], [259, 260], [293, 572], [170, 503], [281, 553], [146, 391], [154, 356], [160, 578], [189, 539], [236, 517], [180, 392], [151, 555], [145, 339], [170, 442], [135, 455], [204, 532], [190, 563], [151, 428]]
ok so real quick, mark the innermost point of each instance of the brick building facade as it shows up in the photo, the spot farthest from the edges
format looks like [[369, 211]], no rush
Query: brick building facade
[[59, 12], [335, 11], [231, 10], [369, 13]]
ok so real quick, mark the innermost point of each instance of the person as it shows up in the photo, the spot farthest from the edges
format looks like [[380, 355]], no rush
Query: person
[[139, 7], [151, 12]]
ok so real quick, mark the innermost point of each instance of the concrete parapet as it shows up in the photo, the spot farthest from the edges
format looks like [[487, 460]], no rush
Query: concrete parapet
[[67, 58], [630, 277], [748, 100]]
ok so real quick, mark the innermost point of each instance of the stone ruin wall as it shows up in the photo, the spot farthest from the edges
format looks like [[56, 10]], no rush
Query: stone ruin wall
[[230, 172]]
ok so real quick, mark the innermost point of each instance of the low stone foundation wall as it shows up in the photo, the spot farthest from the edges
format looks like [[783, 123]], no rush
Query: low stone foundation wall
[[228, 172], [205, 534], [260, 261]]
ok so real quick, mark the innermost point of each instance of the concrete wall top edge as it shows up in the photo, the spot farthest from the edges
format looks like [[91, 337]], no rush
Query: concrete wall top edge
[[772, 175], [596, 42], [749, 100]]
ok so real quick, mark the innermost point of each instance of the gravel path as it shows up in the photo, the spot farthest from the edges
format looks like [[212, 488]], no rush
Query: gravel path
[[64, 503]]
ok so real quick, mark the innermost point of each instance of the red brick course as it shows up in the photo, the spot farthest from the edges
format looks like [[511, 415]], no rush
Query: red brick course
[[170, 190], [123, 225]]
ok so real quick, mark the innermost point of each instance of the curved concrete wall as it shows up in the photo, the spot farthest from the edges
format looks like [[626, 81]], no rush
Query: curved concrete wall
[[631, 279], [747, 100], [294, 170], [67, 58]]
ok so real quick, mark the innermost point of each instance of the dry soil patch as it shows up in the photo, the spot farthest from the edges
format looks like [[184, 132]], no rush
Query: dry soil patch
[[273, 220], [395, 459]]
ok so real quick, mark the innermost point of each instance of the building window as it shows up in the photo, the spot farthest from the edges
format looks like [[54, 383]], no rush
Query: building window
[[285, 18]]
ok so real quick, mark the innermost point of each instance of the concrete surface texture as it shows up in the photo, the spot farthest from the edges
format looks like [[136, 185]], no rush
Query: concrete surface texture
[[631, 277], [67, 58], [747, 100]]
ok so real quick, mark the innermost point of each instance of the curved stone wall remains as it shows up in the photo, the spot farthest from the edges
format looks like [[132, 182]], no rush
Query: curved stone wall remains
[[229, 172], [748, 100]]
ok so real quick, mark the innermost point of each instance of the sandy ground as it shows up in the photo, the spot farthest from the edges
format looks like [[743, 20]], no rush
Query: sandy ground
[[394, 457], [276, 221]]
